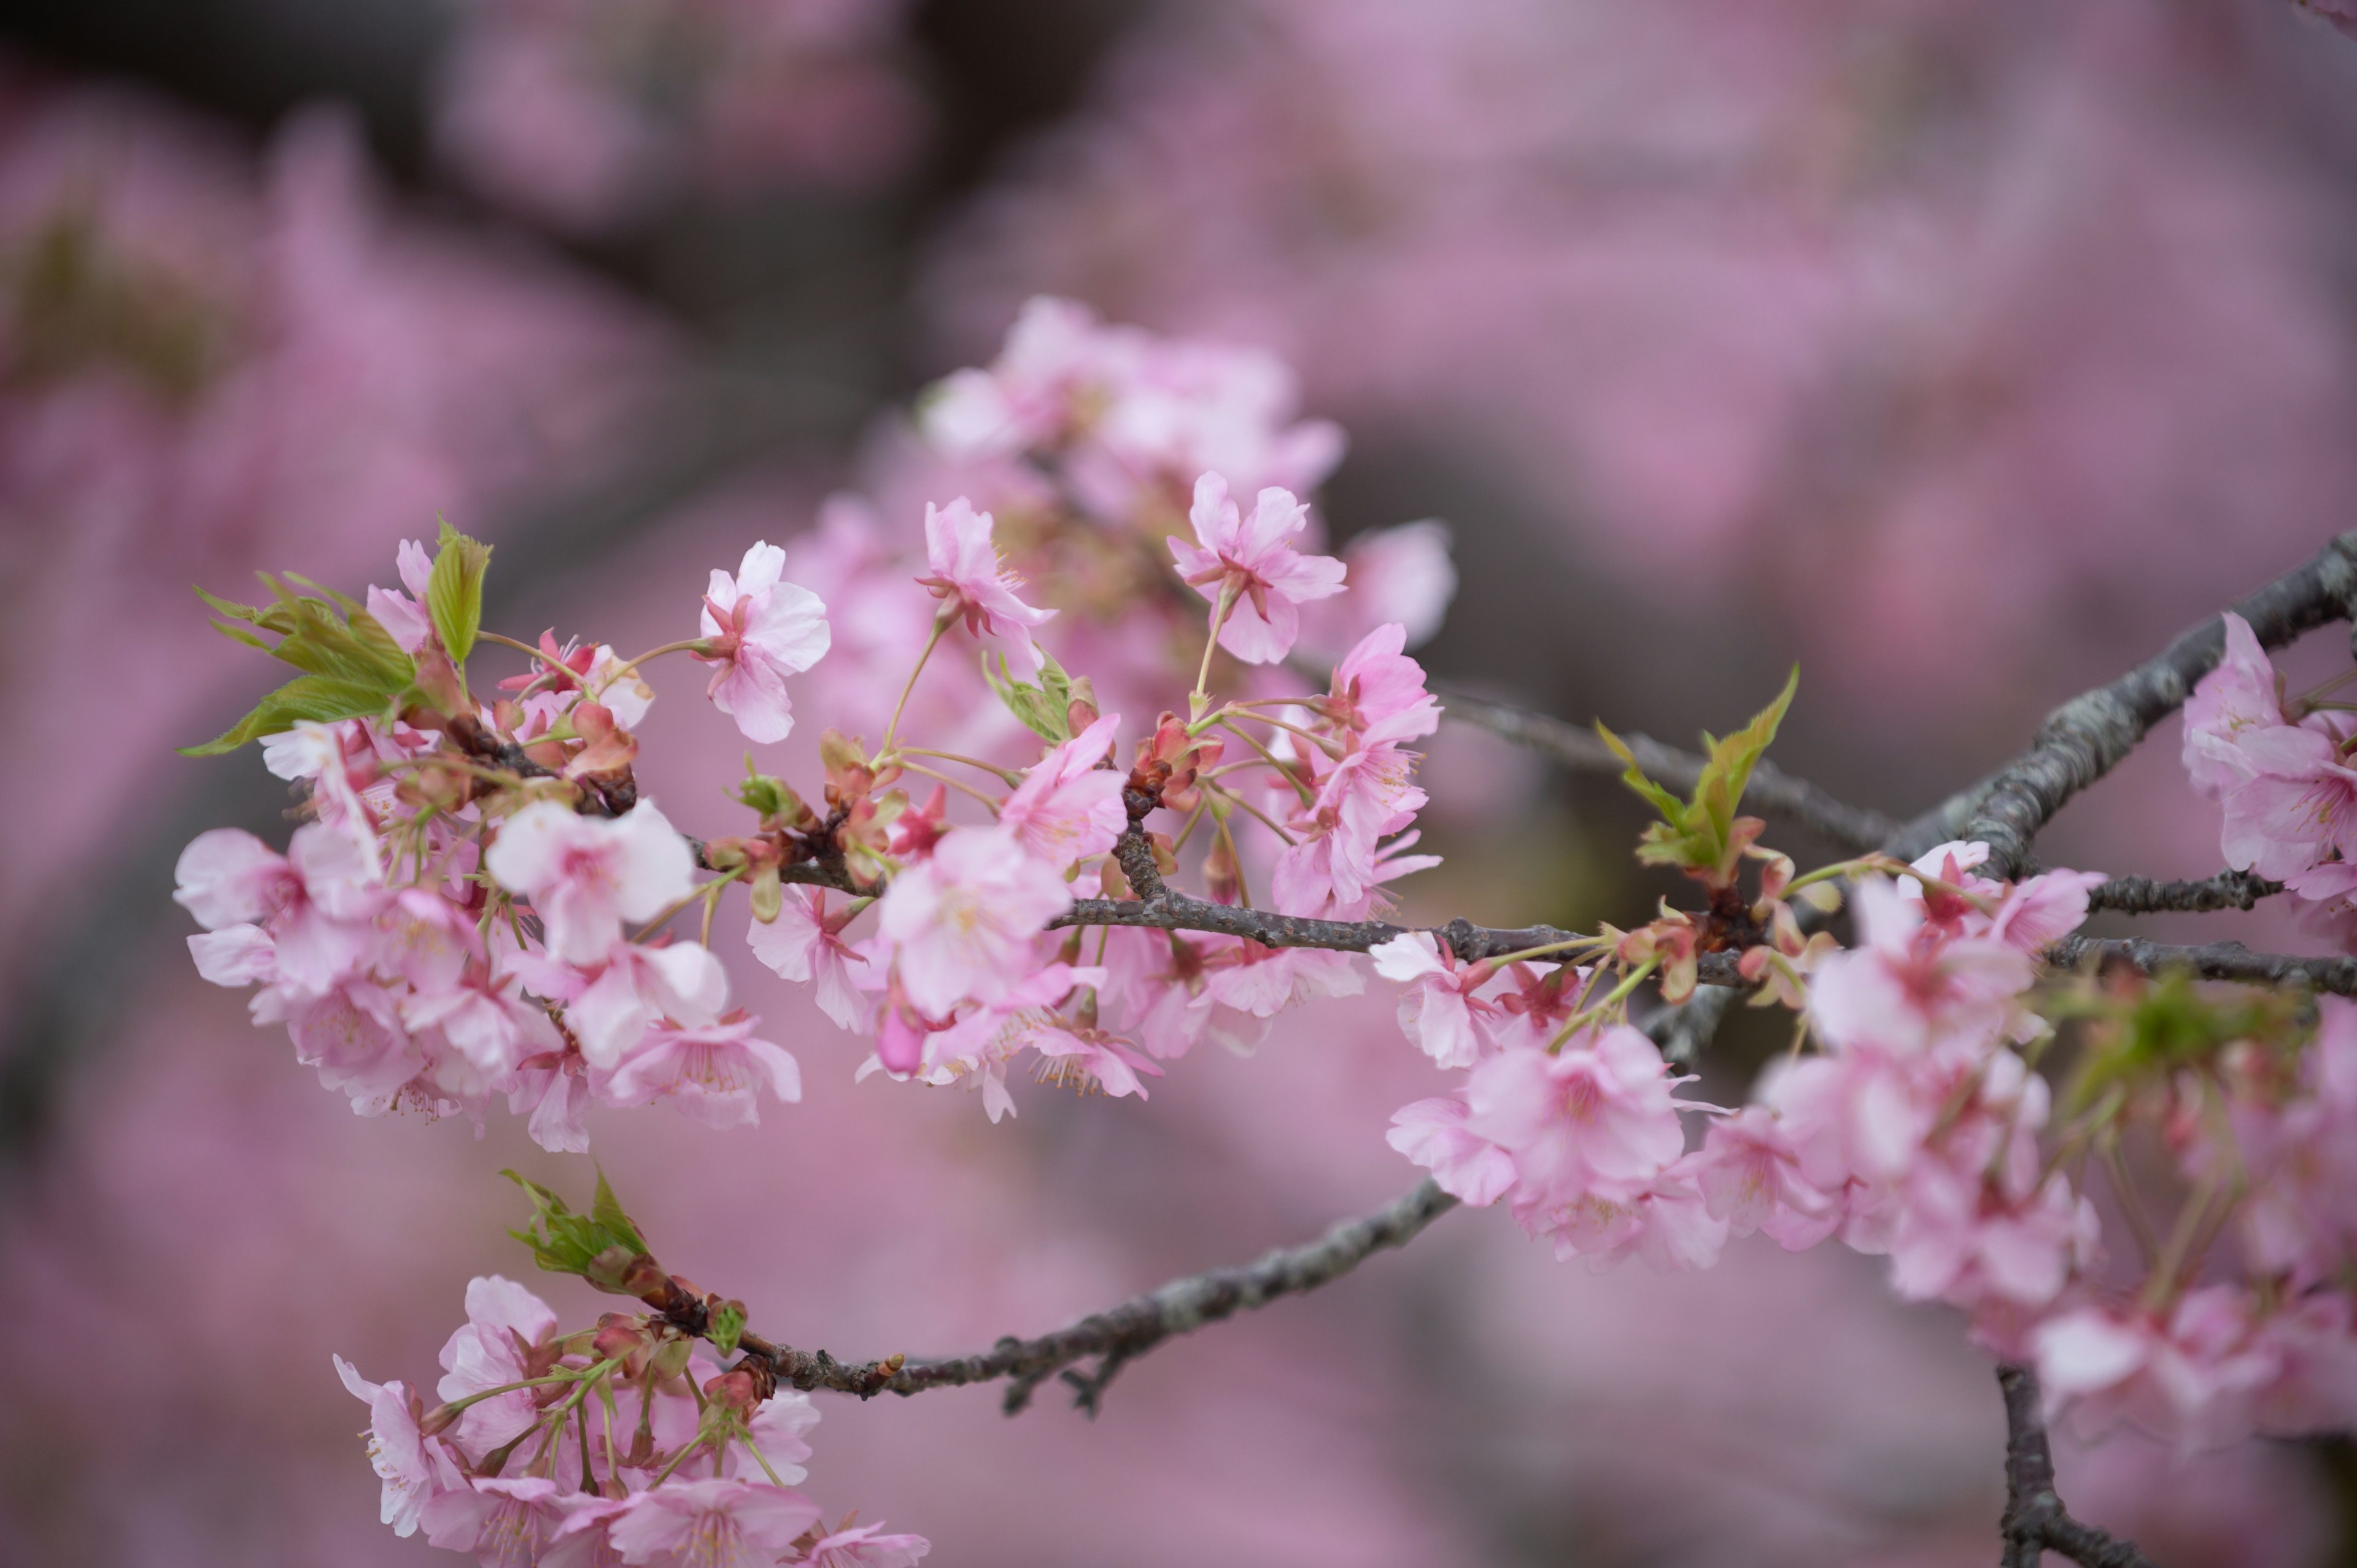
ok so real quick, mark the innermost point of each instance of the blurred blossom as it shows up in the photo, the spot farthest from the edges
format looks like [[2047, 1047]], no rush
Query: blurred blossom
[[207, 367], [1934, 312], [593, 115]]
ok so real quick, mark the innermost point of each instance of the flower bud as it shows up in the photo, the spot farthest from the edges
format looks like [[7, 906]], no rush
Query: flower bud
[[437, 680], [768, 894]]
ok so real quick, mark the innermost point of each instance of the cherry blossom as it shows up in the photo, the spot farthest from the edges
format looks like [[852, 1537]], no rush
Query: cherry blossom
[[1068, 808], [757, 629], [316, 900], [806, 944], [1439, 1010], [969, 577], [1598, 1111], [714, 1072], [585, 875], [2241, 696], [959, 925], [505, 1340], [1250, 572], [867, 1546], [1432, 1133], [414, 1468], [506, 1521], [712, 1523]]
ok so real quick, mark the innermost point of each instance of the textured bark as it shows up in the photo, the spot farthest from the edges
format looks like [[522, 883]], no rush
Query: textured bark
[[2035, 1521], [1119, 1335], [2217, 961], [2086, 738]]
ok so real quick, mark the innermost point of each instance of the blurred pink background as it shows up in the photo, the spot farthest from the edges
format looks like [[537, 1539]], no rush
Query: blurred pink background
[[1963, 352]]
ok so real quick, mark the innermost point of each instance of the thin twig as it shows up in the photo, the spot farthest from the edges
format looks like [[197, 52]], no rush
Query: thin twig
[[1770, 790], [1120, 1334], [2086, 738]]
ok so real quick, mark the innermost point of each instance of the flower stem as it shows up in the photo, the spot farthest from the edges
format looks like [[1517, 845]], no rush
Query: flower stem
[[1200, 698], [892, 730]]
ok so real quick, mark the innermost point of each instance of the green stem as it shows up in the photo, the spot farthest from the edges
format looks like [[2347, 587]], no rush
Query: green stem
[[1200, 698], [892, 730]]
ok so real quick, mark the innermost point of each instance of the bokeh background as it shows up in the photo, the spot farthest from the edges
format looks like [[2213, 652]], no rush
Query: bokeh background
[[1961, 350]]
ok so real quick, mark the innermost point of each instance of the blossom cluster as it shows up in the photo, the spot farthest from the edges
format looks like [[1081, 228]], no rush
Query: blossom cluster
[[1913, 1131], [450, 926], [2280, 769], [621, 1443], [1026, 874]]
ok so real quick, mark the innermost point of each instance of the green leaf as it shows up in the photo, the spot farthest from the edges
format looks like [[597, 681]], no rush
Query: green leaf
[[311, 697], [351, 666], [1697, 834], [454, 594], [608, 1211], [592, 1245], [1045, 708]]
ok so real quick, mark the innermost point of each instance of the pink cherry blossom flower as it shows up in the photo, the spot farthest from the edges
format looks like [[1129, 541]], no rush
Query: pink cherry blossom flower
[[713, 1523], [414, 1468], [1377, 694], [2044, 908], [1260, 982], [1908, 987], [759, 629], [682, 982], [866, 1547], [1253, 569], [235, 955], [2238, 698], [1598, 1111], [315, 901], [1970, 1241], [806, 944], [1749, 1175], [2297, 809], [506, 1521], [1068, 808], [403, 616], [350, 1032], [2193, 1375], [713, 1072], [967, 575], [984, 1041], [1664, 1220], [1432, 1133], [552, 1091], [959, 925], [585, 875], [1439, 1010], [504, 1340]]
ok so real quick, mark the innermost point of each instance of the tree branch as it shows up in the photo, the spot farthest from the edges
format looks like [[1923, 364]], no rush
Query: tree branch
[[1170, 910], [2086, 738], [1770, 790], [1120, 1334], [2218, 960], [2143, 896], [2035, 1521]]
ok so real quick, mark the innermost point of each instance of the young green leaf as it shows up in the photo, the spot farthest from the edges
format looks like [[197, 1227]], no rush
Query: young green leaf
[[351, 666], [1045, 708], [454, 594], [596, 1245], [1698, 835]]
